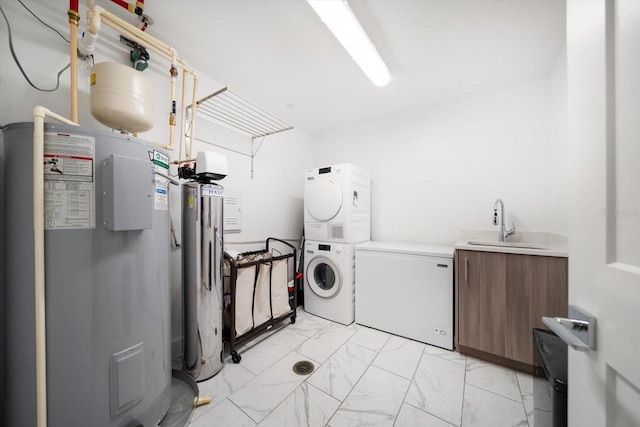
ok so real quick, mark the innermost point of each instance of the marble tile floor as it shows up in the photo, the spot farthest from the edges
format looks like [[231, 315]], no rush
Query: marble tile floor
[[362, 377]]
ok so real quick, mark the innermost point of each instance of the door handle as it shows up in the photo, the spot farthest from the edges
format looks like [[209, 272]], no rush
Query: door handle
[[578, 331], [466, 270]]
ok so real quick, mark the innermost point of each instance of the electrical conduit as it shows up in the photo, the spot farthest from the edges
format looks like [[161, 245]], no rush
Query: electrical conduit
[[39, 114]]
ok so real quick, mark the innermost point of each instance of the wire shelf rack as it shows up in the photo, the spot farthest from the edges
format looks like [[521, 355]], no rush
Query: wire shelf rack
[[229, 121], [235, 111]]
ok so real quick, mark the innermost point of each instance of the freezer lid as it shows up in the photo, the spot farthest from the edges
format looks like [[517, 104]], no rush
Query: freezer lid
[[407, 248]]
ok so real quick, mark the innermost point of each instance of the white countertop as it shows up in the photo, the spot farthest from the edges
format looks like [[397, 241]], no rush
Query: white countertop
[[407, 248], [542, 244]]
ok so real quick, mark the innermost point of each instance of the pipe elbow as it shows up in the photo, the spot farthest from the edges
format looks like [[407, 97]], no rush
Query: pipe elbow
[[39, 111], [99, 10], [94, 22]]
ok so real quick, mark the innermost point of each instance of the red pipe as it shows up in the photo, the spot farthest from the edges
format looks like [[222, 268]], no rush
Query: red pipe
[[73, 5], [138, 8], [124, 4]]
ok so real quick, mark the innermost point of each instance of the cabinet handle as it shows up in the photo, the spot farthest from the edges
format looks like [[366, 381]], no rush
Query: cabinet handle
[[466, 270]]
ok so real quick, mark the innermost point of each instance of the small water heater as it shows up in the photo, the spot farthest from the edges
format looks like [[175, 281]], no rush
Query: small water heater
[[202, 235]]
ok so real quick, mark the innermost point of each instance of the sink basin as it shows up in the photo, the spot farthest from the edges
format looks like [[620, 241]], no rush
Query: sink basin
[[539, 243], [523, 245]]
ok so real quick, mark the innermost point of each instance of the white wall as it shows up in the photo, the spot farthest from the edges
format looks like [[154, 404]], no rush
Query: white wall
[[435, 171], [439, 170], [273, 199], [559, 140]]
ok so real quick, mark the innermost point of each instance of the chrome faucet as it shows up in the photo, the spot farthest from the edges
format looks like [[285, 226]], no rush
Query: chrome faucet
[[503, 233]]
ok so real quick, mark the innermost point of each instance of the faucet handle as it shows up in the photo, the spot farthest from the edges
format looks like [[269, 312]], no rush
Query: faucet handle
[[510, 232]]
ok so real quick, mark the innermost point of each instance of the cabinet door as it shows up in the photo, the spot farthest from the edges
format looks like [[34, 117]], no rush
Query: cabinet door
[[481, 301], [551, 299], [536, 286], [525, 275]]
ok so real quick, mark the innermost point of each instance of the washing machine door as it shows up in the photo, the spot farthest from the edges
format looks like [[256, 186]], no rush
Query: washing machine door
[[323, 277], [323, 198]]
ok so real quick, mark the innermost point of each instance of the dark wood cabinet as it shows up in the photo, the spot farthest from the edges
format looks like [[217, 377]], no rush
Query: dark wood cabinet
[[500, 298], [481, 297]]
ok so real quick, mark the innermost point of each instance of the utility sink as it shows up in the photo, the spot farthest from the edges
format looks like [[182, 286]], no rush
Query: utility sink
[[523, 242], [524, 245]]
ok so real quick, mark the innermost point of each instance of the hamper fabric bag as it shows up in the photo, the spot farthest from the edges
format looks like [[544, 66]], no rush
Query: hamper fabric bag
[[244, 299], [262, 300], [279, 288]]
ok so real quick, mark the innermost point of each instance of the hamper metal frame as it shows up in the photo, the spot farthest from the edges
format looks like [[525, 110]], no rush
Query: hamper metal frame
[[230, 331]]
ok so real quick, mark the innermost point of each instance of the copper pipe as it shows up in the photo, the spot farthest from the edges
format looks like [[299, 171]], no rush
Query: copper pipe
[[74, 18]]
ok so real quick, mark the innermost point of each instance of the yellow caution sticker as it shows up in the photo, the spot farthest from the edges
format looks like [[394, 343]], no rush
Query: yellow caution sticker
[[93, 79], [190, 201]]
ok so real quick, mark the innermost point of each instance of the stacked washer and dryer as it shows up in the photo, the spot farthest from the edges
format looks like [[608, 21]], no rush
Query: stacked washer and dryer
[[337, 216]]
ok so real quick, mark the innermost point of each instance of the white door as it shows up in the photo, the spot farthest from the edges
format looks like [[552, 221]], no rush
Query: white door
[[323, 198], [603, 78], [323, 276]]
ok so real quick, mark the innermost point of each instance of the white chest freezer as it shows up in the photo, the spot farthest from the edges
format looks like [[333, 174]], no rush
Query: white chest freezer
[[407, 290]]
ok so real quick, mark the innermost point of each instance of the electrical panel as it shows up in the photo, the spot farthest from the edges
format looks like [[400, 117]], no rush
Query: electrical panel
[[232, 211]]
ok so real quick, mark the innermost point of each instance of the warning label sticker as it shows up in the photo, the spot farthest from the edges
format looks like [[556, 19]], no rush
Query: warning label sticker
[[69, 181], [161, 197]]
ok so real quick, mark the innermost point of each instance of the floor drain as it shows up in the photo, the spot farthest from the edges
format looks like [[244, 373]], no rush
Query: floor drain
[[303, 367]]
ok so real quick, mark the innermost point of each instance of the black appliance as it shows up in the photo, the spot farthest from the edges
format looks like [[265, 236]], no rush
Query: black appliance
[[550, 389]]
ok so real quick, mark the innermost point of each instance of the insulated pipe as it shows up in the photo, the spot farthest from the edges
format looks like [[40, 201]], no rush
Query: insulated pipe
[[162, 49], [132, 32], [39, 113], [92, 27], [194, 107], [183, 111], [74, 18], [173, 71], [38, 250], [140, 37], [137, 36]]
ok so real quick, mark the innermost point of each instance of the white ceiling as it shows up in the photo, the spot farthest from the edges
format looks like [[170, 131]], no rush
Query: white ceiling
[[278, 54]]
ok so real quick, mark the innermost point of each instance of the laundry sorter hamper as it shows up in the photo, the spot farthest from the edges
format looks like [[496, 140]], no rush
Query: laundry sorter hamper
[[259, 292]]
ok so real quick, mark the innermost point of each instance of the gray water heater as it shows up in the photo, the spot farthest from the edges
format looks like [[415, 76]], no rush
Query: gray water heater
[[107, 255]]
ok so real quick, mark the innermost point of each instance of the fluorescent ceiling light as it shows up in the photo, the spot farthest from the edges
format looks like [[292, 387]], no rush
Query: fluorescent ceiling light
[[337, 15]]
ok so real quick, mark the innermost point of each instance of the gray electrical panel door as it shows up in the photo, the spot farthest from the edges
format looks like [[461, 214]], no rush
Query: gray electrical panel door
[[128, 193]]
